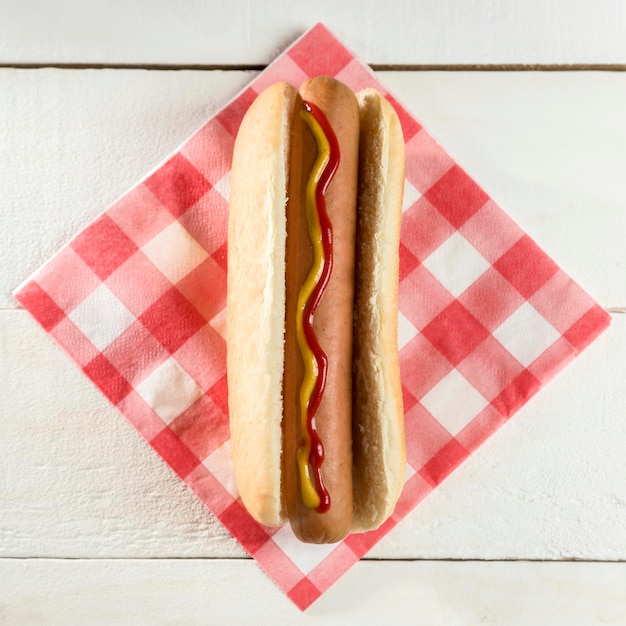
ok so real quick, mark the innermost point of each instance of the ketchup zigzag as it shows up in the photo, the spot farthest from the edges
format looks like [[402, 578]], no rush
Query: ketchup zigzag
[[310, 453]]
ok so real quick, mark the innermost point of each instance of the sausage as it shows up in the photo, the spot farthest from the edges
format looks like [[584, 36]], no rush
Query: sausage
[[314, 394], [333, 319]]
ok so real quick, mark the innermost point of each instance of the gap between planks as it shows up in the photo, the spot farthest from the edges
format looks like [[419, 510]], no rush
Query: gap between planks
[[613, 310], [565, 559], [378, 67]]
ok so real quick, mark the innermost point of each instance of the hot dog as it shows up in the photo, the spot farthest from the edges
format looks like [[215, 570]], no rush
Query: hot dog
[[315, 404]]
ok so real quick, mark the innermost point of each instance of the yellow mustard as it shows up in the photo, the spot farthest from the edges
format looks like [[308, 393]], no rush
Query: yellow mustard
[[310, 495]]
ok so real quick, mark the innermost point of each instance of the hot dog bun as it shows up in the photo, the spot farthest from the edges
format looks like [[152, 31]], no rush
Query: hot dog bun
[[379, 452], [364, 485], [257, 233]]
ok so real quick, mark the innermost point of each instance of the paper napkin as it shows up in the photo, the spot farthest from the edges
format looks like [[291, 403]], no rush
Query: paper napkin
[[137, 301]]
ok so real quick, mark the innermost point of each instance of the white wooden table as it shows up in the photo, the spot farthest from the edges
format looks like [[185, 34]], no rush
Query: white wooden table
[[94, 528]]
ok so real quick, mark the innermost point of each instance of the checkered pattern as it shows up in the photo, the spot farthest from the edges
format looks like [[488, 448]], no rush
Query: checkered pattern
[[137, 300]]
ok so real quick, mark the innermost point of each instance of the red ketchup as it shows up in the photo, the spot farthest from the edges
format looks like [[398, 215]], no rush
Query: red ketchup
[[316, 457]]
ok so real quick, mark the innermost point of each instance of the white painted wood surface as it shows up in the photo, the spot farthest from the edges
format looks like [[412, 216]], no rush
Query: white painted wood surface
[[196, 591], [89, 513], [232, 32]]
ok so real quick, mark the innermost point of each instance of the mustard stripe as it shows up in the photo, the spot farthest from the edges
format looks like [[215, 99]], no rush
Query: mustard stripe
[[310, 496]]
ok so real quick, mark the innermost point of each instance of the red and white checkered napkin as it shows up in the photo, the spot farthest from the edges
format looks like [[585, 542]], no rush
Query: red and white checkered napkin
[[137, 300]]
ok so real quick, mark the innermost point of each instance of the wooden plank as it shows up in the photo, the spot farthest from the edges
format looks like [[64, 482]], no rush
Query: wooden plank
[[75, 141], [75, 478], [236, 591], [422, 32], [550, 484], [77, 481], [548, 147]]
